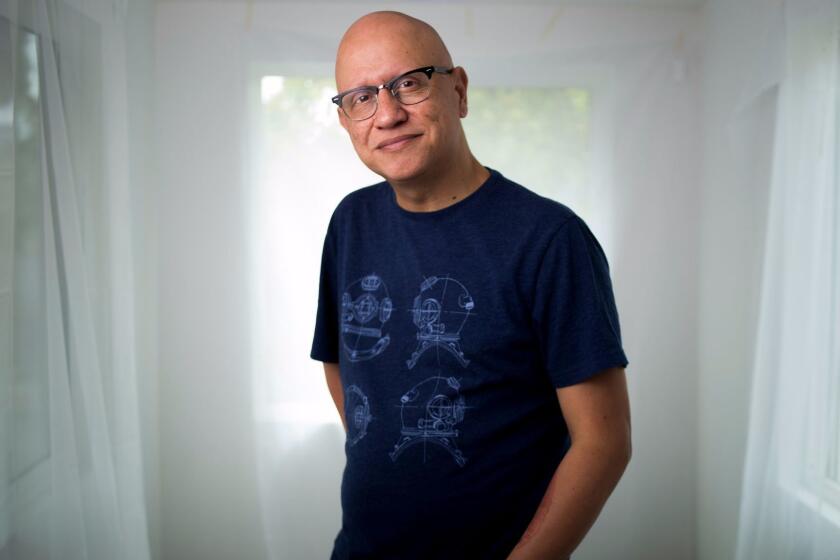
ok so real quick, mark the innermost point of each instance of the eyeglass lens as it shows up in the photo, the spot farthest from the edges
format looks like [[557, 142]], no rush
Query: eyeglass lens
[[408, 90]]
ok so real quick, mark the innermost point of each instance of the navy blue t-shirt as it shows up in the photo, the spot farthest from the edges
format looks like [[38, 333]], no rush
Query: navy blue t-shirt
[[452, 330]]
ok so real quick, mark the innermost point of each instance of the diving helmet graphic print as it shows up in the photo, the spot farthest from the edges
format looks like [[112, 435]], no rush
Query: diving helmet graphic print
[[440, 311], [357, 414], [429, 411], [365, 308]]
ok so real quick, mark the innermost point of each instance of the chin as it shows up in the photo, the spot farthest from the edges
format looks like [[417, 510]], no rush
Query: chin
[[398, 170]]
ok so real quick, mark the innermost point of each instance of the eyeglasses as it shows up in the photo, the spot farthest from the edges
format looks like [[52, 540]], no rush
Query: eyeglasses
[[409, 88]]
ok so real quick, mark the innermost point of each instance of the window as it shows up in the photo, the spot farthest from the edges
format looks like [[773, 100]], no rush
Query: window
[[23, 370], [25, 407], [538, 136], [820, 487], [824, 472]]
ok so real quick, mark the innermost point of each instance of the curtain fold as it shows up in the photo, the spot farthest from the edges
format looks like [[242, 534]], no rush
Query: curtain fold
[[789, 507], [72, 486]]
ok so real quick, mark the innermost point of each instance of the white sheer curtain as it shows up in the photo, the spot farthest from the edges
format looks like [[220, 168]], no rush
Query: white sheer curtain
[[71, 484], [789, 506]]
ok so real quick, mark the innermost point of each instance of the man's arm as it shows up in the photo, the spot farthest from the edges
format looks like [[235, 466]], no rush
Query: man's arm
[[334, 384], [597, 412]]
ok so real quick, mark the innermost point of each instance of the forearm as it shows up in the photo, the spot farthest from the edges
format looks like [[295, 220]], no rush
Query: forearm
[[583, 481]]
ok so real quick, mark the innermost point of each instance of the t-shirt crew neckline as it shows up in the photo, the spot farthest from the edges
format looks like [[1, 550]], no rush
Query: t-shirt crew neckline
[[473, 198]]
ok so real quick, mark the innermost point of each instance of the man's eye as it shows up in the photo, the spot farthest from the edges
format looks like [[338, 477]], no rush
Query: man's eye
[[361, 98], [407, 83]]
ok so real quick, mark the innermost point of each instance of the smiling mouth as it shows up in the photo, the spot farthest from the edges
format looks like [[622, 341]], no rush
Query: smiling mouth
[[397, 143]]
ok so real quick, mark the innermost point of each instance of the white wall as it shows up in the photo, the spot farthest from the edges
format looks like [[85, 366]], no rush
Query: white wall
[[208, 501], [734, 191]]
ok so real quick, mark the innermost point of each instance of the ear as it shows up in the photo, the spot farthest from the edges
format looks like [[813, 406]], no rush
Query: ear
[[461, 80], [342, 118]]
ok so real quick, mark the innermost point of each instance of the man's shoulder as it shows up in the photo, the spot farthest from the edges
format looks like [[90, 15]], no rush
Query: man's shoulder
[[534, 207], [362, 194], [359, 198]]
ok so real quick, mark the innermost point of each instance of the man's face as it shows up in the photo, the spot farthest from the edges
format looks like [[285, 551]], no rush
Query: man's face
[[430, 130]]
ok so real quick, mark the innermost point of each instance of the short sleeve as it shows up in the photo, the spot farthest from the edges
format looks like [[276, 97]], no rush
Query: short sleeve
[[574, 308], [325, 340]]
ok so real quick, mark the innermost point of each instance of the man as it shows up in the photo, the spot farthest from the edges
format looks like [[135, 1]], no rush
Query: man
[[467, 327]]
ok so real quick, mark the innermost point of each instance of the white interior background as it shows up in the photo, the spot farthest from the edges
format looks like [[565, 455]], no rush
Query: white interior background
[[242, 449]]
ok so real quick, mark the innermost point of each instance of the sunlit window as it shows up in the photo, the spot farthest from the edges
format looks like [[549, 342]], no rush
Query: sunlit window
[[538, 137], [833, 462], [24, 396], [820, 486]]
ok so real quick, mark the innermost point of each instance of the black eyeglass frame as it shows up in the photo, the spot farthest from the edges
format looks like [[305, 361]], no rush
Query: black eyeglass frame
[[428, 70]]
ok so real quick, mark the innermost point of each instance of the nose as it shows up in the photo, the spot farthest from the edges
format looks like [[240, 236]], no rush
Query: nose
[[389, 112]]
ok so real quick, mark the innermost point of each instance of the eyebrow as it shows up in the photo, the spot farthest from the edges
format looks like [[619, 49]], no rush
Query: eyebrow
[[369, 85]]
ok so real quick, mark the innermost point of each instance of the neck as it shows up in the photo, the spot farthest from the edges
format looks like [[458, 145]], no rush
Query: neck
[[432, 192]]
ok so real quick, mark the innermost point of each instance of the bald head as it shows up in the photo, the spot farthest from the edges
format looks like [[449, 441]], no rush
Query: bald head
[[416, 142], [376, 39]]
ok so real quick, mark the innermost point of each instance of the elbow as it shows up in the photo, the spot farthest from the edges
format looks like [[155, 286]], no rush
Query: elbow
[[622, 449], [627, 447], [613, 449], [625, 441]]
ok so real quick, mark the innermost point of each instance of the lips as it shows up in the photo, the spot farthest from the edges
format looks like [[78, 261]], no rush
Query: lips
[[397, 141]]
